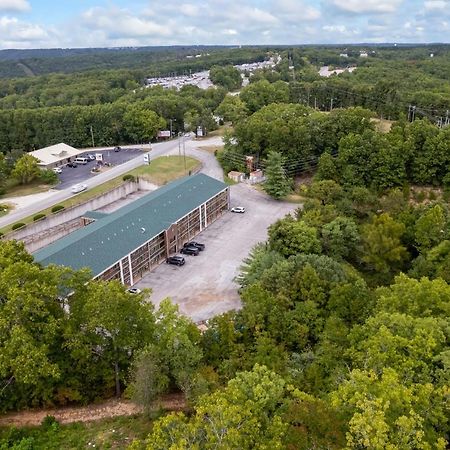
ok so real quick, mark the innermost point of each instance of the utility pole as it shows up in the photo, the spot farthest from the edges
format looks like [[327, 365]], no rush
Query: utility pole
[[92, 137], [331, 104], [179, 144], [184, 155], [315, 102]]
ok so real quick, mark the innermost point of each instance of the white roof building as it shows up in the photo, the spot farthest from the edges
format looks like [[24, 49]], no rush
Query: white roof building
[[55, 155]]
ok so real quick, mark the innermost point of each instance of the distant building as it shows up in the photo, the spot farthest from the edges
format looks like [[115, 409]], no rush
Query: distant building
[[133, 240], [344, 55], [363, 54], [257, 176], [55, 155], [236, 176]]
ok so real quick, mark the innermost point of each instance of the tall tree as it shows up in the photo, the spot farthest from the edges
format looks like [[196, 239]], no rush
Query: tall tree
[[26, 169], [277, 184]]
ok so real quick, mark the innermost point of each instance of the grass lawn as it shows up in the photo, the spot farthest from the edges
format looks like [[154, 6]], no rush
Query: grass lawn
[[117, 433], [20, 190], [166, 168], [160, 171], [220, 131]]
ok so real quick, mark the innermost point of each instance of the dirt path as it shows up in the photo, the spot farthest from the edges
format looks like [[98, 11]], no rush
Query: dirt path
[[108, 409]]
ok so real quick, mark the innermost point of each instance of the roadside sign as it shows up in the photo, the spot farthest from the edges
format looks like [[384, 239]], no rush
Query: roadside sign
[[147, 158], [99, 156]]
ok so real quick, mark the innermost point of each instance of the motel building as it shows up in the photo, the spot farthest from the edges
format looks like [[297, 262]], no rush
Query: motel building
[[133, 240]]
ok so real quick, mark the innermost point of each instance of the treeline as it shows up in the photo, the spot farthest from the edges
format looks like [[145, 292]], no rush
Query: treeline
[[387, 82], [66, 339], [134, 119], [151, 59], [417, 152], [104, 86]]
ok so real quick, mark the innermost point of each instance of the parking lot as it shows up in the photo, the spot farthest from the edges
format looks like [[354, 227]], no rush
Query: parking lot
[[204, 286], [70, 176]]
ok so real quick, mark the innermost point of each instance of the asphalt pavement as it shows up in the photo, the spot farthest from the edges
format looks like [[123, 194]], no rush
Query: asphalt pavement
[[174, 146]]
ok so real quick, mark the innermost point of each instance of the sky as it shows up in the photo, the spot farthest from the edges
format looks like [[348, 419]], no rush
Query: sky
[[119, 23]]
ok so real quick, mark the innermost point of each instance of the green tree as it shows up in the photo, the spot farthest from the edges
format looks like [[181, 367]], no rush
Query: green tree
[[26, 169], [291, 237], [382, 248], [245, 415], [177, 343], [384, 413], [340, 237], [232, 109], [276, 185], [109, 325], [326, 168], [227, 76], [431, 228], [141, 125], [150, 377]]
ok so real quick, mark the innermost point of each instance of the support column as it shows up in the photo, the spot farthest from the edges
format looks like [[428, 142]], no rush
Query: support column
[[131, 271], [122, 278]]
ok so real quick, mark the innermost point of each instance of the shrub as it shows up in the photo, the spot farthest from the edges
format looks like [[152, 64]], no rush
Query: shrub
[[50, 422], [129, 177], [17, 225], [48, 176], [38, 217], [420, 196], [1, 234], [57, 208]]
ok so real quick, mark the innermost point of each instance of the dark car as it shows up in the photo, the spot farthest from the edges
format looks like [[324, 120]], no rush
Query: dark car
[[198, 245], [117, 149], [193, 251], [176, 260], [72, 164]]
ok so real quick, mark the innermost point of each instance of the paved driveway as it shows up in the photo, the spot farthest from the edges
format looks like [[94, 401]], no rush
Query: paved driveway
[[82, 172], [204, 286]]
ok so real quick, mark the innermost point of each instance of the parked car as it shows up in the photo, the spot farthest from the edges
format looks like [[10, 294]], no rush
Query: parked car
[[117, 149], [72, 164], [57, 169], [78, 188], [81, 160], [134, 291], [193, 251], [238, 209], [176, 260], [90, 156], [198, 245]]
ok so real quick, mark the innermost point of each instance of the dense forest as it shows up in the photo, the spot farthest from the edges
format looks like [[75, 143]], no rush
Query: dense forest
[[342, 340]]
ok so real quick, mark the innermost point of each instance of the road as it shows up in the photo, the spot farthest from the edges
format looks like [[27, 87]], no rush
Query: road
[[211, 167]]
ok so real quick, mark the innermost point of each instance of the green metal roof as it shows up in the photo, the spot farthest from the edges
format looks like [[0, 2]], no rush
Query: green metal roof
[[104, 242]]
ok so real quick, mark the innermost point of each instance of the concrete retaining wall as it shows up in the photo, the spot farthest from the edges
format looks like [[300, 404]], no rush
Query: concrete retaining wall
[[69, 214]]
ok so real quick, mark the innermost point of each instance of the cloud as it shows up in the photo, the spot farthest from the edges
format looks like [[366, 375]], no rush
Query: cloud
[[436, 5], [296, 10], [119, 23], [14, 5], [367, 6], [17, 34]]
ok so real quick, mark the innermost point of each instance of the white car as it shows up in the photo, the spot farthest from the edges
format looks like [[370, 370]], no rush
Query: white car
[[238, 209], [57, 169], [134, 291], [78, 188]]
